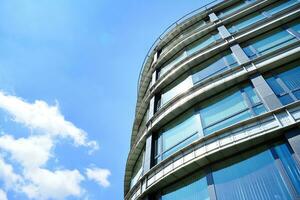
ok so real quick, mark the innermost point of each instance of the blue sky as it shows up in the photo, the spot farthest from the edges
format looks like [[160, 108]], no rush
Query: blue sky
[[68, 75]]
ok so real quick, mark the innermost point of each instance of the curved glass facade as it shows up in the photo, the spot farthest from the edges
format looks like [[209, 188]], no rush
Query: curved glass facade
[[218, 110], [252, 175]]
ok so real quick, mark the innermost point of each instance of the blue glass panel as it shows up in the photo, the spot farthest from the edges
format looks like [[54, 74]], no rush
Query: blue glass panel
[[231, 60], [170, 65], [179, 132], [254, 178], [252, 95], [286, 99], [273, 41], [203, 42], [181, 145], [297, 94], [275, 86], [260, 109], [232, 8], [244, 22], [291, 167], [223, 109], [196, 190], [208, 71], [175, 89], [283, 5], [249, 52], [296, 28], [230, 121], [291, 78]]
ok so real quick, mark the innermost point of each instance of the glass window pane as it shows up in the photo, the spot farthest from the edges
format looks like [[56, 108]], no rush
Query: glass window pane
[[191, 188], [232, 8], [137, 170], [273, 41], [286, 99], [213, 66], [277, 89], [230, 121], [260, 109], [200, 44], [222, 109], [252, 95], [297, 94], [254, 178], [179, 132], [291, 78], [244, 22], [291, 167], [179, 88], [231, 60], [248, 51], [281, 6], [168, 66], [181, 145], [296, 28]]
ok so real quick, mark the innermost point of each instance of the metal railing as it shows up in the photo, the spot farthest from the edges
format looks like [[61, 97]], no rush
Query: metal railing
[[172, 26]]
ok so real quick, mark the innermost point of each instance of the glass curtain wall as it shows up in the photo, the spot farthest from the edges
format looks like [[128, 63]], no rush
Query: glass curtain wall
[[190, 188], [271, 41], [286, 85], [191, 49], [256, 177], [252, 175], [222, 111], [137, 170], [230, 109], [260, 15], [233, 8], [216, 65], [176, 135]]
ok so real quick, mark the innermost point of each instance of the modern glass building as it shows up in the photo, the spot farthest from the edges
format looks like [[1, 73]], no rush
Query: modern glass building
[[218, 110]]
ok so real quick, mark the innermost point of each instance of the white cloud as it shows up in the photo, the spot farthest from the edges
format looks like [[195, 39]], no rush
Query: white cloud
[[30, 152], [8, 175], [45, 184], [43, 118], [3, 195], [99, 175]]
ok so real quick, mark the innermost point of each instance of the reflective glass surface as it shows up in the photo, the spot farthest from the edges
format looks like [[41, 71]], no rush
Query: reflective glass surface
[[191, 188], [260, 15], [244, 22], [171, 63], [213, 66], [137, 170], [290, 165], [202, 42], [254, 178], [269, 42], [281, 5], [230, 109], [273, 42], [233, 8], [176, 135], [286, 85], [176, 88], [179, 132]]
